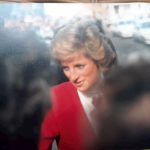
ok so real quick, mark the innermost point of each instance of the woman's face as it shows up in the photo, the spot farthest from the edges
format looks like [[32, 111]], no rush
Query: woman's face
[[81, 71]]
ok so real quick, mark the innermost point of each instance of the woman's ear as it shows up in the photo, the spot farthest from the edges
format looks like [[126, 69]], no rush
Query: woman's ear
[[105, 69]]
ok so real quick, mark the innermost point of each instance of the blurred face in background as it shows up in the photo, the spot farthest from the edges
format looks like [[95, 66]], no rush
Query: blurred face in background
[[81, 71]]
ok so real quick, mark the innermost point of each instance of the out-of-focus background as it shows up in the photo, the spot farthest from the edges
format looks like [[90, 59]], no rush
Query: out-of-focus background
[[127, 24]]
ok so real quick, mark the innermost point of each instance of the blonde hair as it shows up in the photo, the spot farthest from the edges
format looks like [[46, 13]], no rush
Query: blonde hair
[[83, 36]]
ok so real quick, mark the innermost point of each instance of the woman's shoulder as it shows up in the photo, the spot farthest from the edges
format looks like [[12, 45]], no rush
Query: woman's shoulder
[[61, 92], [63, 87]]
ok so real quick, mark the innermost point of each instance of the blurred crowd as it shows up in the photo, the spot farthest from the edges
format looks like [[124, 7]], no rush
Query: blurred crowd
[[25, 79], [125, 124]]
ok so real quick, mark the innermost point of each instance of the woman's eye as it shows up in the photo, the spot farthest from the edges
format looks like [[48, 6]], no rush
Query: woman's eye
[[80, 66], [65, 68]]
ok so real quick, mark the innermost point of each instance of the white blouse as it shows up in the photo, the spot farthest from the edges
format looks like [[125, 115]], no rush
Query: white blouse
[[87, 105]]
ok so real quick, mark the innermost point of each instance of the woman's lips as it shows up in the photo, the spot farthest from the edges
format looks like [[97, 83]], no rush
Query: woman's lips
[[79, 84]]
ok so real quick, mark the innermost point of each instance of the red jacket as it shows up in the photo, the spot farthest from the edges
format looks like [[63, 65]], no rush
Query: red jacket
[[66, 122]]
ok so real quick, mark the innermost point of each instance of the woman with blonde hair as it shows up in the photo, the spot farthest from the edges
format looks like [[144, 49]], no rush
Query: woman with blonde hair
[[85, 55]]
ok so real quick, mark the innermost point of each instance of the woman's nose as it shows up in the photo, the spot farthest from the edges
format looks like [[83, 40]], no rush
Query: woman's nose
[[73, 76]]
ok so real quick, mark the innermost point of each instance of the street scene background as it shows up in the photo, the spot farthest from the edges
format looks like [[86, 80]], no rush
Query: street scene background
[[127, 24]]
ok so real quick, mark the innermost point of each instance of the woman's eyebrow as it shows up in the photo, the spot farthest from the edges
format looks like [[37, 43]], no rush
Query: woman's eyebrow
[[63, 66]]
